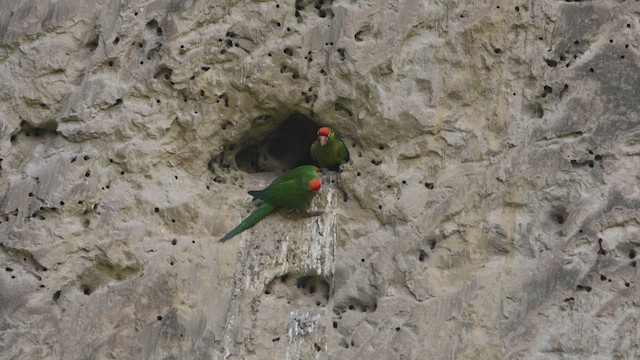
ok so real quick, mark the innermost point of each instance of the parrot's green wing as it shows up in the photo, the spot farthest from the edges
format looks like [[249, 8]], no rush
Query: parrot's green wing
[[290, 189], [342, 151], [295, 174]]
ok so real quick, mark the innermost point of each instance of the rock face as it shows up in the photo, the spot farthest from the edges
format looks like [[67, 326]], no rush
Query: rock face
[[491, 210]]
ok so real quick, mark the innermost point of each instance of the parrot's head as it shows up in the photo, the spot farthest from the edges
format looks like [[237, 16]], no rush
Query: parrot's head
[[314, 184], [323, 134]]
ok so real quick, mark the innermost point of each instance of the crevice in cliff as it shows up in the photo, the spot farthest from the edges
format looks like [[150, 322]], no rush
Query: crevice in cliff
[[315, 289], [284, 148]]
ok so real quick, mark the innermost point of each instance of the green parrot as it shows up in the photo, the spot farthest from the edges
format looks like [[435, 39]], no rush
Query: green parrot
[[294, 189], [329, 151]]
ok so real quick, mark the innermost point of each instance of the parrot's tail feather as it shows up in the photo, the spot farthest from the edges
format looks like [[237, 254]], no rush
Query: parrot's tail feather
[[258, 214], [257, 194]]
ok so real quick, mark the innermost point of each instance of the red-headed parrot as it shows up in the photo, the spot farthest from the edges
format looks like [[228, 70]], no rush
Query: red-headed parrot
[[294, 189], [329, 151]]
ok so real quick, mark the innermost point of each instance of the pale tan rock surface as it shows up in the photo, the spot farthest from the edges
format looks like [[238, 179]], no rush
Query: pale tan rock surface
[[491, 210]]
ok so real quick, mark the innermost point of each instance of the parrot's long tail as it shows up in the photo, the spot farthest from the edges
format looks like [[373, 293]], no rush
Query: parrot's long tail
[[258, 214]]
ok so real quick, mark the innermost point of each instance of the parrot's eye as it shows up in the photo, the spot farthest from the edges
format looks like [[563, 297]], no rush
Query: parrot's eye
[[324, 131]]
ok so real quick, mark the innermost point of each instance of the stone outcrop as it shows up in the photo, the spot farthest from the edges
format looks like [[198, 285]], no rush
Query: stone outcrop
[[491, 209]]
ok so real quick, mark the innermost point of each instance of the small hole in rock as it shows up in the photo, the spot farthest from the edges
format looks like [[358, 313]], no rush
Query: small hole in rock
[[423, 256]]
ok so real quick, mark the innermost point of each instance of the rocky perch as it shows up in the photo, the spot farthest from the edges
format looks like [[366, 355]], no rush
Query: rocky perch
[[491, 209]]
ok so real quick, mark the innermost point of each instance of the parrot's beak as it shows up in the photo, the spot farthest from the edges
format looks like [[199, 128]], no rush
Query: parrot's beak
[[323, 140]]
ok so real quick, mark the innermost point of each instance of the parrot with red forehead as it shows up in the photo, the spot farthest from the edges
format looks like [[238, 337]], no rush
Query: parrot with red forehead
[[329, 151], [294, 189]]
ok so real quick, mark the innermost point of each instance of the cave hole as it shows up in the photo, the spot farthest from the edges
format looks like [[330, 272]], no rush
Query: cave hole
[[92, 44], [154, 27], [86, 289], [558, 215], [282, 149], [47, 129], [422, 256]]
